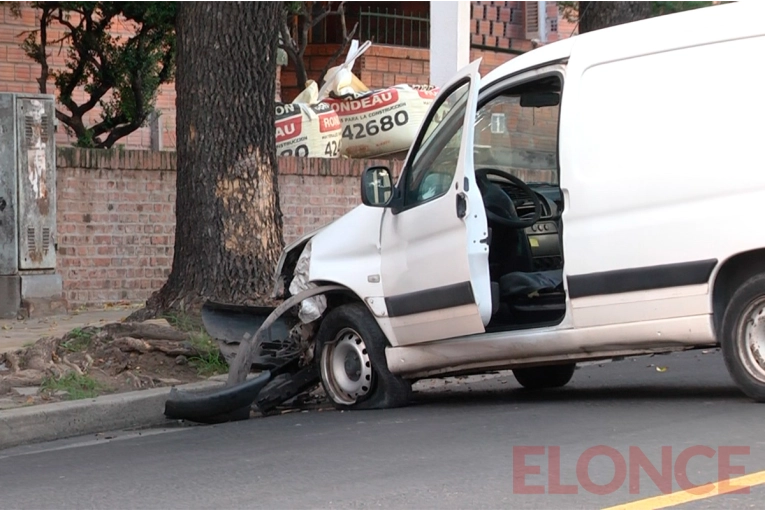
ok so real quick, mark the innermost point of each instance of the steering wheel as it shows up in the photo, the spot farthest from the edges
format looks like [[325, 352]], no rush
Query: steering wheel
[[499, 206]]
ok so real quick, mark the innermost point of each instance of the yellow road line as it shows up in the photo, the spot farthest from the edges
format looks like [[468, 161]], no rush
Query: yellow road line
[[702, 492]]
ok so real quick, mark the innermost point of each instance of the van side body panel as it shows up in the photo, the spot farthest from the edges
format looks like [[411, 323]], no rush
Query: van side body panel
[[661, 167]]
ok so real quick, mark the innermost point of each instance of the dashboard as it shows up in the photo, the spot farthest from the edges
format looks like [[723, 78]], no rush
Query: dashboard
[[544, 235]]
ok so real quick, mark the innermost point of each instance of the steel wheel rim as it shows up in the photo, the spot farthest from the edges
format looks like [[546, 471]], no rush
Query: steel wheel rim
[[751, 339], [346, 368]]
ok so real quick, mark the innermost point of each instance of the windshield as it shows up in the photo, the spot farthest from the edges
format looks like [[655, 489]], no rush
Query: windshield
[[522, 140]]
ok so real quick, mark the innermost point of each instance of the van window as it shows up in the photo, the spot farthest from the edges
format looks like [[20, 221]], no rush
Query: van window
[[435, 161], [517, 131]]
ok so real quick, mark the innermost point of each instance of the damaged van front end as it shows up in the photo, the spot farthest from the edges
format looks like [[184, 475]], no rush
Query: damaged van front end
[[345, 252], [293, 275], [336, 264]]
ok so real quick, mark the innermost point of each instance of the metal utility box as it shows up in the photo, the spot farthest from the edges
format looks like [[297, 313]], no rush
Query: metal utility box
[[9, 248], [27, 195]]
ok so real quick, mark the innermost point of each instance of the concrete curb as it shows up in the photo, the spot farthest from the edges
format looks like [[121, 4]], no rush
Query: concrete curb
[[46, 422]]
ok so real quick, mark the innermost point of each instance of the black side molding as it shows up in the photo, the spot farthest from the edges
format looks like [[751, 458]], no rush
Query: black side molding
[[641, 278], [429, 300]]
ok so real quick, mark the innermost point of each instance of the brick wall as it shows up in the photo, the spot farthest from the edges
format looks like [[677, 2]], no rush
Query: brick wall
[[116, 215], [384, 66], [499, 24], [116, 220], [512, 25], [509, 26]]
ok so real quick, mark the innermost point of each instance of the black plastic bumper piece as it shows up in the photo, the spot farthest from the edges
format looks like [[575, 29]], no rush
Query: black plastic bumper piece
[[231, 403]]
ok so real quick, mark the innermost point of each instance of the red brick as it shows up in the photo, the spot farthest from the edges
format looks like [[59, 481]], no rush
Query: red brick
[[7, 72]]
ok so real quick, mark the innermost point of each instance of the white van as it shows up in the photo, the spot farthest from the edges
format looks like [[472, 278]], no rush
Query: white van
[[591, 199]]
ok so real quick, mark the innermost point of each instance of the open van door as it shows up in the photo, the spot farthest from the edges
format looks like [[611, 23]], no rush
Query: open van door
[[434, 242]]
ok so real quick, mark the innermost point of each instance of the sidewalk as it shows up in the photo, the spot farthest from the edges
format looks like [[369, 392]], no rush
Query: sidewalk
[[15, 334]]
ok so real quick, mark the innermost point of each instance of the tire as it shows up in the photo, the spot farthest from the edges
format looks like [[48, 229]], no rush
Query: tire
[[743, 337], [351, 358], [545, 377]]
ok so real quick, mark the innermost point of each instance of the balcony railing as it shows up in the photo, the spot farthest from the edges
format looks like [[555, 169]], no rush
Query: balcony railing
[[393, 28]]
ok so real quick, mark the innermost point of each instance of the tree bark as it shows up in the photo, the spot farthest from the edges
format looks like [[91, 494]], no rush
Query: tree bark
[[228, 234], [597, 15]]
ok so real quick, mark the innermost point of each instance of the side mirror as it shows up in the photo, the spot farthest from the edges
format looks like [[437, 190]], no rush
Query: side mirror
[[376, 186]]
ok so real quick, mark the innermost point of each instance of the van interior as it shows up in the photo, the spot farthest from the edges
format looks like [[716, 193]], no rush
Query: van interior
[[516, 168]]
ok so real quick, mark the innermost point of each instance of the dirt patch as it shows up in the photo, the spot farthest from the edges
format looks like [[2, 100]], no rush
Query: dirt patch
[[114, 358]]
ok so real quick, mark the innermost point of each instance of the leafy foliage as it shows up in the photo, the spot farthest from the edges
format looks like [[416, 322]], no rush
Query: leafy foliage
[[122, 75], [661, 8], [570, 9]]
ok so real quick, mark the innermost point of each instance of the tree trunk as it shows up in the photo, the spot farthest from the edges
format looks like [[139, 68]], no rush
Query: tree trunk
[[228, 234], [597, 15]]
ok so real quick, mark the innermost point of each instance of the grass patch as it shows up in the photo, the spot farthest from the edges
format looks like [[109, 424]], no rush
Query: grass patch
[[78, 340], [183, 322], [75, 385], [209, 360]]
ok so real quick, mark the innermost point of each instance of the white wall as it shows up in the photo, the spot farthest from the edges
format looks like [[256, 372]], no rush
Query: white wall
[[449, 39]]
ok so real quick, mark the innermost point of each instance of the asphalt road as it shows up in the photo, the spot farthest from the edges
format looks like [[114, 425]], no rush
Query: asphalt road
[[458, 446]]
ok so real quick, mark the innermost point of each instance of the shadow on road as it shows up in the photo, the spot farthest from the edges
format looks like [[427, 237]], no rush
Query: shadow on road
[[621, 393], [690, 376]]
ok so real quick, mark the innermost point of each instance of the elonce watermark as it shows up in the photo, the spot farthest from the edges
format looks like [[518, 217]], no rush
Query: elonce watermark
[[627, 470]]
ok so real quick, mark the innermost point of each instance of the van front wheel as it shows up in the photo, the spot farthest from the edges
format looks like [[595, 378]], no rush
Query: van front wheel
[[352, 363], [743, 338]]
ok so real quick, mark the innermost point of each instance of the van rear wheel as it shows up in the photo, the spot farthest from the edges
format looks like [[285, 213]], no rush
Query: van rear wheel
[[545, 377], [743, 338], [354, 370]]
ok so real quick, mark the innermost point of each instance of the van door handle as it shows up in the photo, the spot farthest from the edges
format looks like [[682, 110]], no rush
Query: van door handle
[[461, 205]]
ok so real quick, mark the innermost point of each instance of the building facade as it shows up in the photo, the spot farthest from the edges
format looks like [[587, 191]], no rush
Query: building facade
[[400, 33]]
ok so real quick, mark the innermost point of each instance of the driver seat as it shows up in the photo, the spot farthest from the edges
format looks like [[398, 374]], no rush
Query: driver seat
[[524, 295], [531, 298], [518, 284]]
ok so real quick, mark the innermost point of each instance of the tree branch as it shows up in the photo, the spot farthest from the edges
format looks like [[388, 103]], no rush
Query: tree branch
[[44, 69], [67, 86], [73, 122], [315, 21], [105, 125], [303, 40], [136, 87], [288, 45], [341, 13], [340, 51], [117, 133]]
